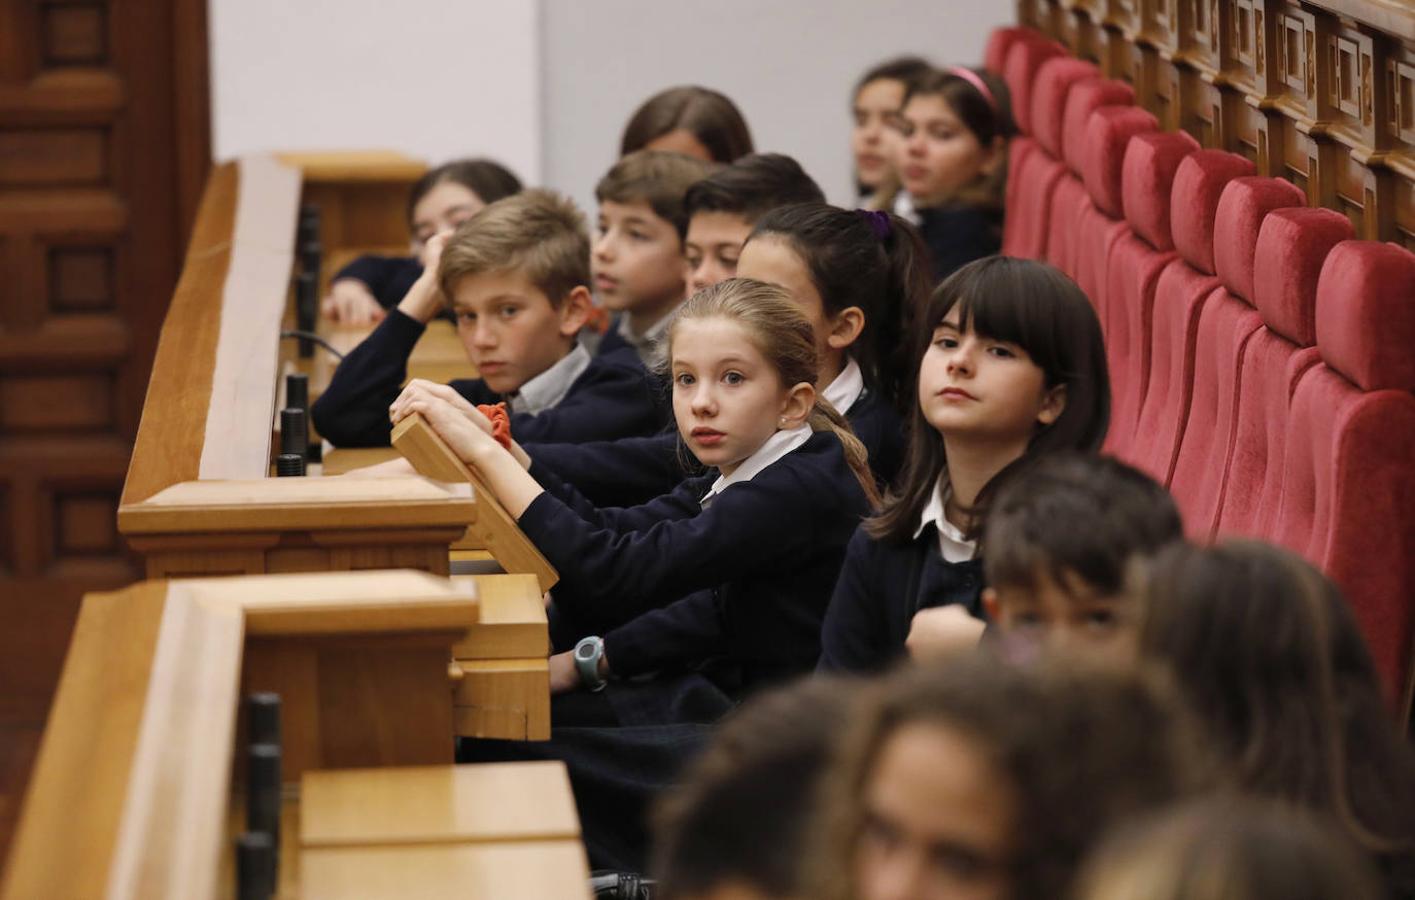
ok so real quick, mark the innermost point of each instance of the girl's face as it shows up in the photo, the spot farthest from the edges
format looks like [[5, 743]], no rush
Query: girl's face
[[443, 208], [937, 154], [727, 398], [772, 260], [982, 390], [938, 820], [873, 139]]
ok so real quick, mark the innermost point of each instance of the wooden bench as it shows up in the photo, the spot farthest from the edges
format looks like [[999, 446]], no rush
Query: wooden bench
[[132, 792]]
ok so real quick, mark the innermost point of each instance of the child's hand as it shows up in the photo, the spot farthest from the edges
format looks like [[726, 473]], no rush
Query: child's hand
[[564, 678], [350, 303], [422, 388], [470, 443], [431, 253], [941, 632]]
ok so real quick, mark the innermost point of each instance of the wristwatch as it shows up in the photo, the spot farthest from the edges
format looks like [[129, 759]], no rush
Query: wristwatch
[[588, 652]]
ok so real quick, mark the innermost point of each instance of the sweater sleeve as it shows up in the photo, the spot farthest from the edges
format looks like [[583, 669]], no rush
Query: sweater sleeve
[[854, 637], [680, 503], [608, 401], [615, 473], [687, 630], [353, 410], [388, 278]]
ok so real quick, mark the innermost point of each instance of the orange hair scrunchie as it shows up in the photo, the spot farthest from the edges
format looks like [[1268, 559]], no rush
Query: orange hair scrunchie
[[500, 422]]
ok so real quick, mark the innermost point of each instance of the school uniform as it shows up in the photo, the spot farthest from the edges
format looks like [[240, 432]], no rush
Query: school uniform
[[578, 398], [634, 470], [646, 345], [388, 278], [883, 584], [956, 235]]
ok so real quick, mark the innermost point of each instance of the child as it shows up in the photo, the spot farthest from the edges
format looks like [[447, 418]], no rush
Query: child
[[1227, 848], [874, 105], [738, 826], [691, 120], [983, 780], [1271, 658], [517, 275], [1056, 547], [752, 546], [445, 197], [1010, 368], [638, 264], [857, 276], [952, 159]]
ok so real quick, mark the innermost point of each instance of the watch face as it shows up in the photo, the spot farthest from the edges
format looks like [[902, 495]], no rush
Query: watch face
[[584, 651]]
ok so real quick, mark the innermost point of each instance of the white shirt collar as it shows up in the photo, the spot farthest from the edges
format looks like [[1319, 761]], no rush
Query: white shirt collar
[[846, 388], [776, 446], [550, 387], [952, 545], [646, 344]]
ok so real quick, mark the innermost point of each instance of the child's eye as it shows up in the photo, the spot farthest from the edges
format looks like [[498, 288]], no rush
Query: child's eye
[[694, 260], [466, 316], [733, 377], [1002, 352], [880, 833], [946, 341], [1100, 619], [508, 312], [942, 134], [683, 379], [638, 236], [730, 264]]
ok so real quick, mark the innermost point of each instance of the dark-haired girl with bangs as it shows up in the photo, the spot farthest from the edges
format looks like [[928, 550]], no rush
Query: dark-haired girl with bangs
[[1010, 367]]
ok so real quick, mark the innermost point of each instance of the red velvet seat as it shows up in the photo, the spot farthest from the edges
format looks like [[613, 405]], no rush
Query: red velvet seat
[[1071, 205], [1024, 230], [1292, 246], [1050, 99], [1348, 497], [1179, 295], [1133, 264], [1000, 41], [1227, 322], [1101, 220]]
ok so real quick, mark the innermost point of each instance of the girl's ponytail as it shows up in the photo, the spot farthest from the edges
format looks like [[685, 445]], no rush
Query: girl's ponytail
[[825, 417]]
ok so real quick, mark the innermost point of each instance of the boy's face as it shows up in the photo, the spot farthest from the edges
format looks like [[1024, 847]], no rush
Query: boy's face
[[713, 246], [509, 328], [637, 260], [1069, 616]]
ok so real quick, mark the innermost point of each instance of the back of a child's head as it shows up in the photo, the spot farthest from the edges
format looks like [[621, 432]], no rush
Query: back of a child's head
[[742, 813], [709, 116], [875, 261], [659, 180], [1073, 749], [1076, 514], [1273, 660], [1035, 307], [539, 233], [753, 186], [489, 180], [983, 105], [1227, 848]]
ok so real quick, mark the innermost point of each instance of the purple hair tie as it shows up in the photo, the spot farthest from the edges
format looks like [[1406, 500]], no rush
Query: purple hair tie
[[878, 221]]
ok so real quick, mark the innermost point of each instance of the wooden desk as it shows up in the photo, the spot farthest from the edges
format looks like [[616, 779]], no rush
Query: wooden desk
[[131, 790]]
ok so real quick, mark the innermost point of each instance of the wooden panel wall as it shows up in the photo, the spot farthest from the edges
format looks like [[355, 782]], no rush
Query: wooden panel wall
[[1322, 94], [104, 145]]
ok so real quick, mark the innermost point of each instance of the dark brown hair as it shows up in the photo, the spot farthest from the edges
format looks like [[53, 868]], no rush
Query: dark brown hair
[[1082, 749], [489, 180], [904, 69], [711, 118], [1034, 306], [657, 178], [986, 119], [1032, 527], [1271, 657], [753, 186], [850, 264]]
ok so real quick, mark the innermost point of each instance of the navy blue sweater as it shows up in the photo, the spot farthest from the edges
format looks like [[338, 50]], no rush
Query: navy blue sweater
[[388, 278], [957, 235], [635, 470], [751, 574], [881, 586], [613, 397]]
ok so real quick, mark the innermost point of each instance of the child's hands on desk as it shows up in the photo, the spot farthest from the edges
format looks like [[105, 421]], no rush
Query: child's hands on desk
[[350, 303], [423, 388]]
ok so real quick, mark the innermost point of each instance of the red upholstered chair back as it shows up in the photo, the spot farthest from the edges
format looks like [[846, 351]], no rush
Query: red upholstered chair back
[[1292, 245], [1227, 321], [1101, 221], [1000, 41], [1179, 294], [1069, 202], [1087, 96], [1032, 179], [1024, 60], [1348, 497], [1133, 265]]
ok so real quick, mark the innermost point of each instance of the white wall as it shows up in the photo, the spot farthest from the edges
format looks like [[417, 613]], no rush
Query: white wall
[[435, 79], [789, 65]]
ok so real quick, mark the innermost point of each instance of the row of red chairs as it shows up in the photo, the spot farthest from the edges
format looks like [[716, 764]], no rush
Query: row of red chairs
[[1262, 361]]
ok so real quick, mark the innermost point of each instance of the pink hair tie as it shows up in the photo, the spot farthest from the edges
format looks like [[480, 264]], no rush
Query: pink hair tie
[[976, 81]]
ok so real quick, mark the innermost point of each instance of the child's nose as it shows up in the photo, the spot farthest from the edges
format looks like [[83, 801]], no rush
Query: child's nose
[[602, 246]]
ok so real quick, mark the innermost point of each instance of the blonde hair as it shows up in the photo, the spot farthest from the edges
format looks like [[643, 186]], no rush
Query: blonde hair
[[785, 337], [537, 232]]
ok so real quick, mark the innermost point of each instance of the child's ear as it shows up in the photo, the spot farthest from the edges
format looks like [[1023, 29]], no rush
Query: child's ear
[[1053, 404], [990, 604], [797, 406], [845, 328], [575, 311], [996, 153]]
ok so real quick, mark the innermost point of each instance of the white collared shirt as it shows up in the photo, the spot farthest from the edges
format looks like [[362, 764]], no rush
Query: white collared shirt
[[776, 446], [952, 545], [550, 387], [846, 388], [646, 344]]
